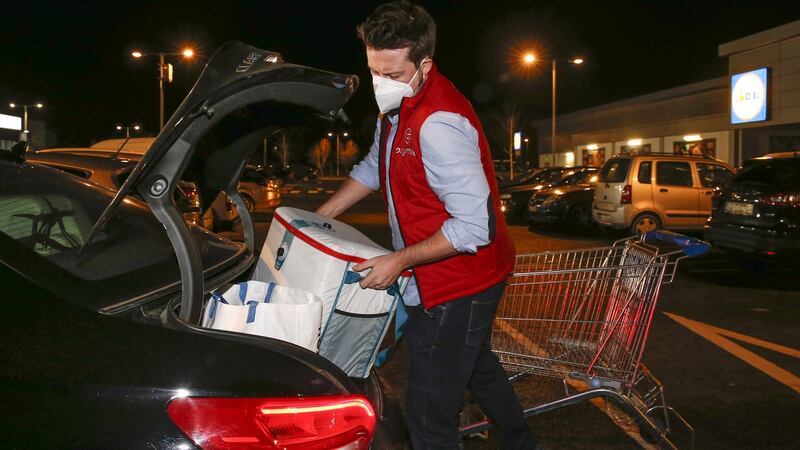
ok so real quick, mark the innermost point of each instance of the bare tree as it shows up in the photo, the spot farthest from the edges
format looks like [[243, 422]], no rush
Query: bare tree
[[282, 149], [319, 153], [348, 154], [509, 120]]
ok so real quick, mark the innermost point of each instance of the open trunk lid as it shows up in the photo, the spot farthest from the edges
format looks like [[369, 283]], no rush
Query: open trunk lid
[[243, 94]]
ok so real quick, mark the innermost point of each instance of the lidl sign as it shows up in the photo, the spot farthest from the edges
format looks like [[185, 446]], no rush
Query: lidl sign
[[10, 122], [749, 96]]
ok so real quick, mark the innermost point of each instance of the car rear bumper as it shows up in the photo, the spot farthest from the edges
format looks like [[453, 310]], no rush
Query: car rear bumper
[[613, 219], [751, 240]]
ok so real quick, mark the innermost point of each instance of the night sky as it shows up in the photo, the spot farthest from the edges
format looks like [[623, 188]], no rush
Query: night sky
[[75, 57]]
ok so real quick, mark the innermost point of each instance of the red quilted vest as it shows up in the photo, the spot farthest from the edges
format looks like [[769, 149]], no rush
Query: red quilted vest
[[419, 211]]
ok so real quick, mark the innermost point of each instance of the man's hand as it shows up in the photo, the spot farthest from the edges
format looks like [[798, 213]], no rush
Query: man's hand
[[385, 271]]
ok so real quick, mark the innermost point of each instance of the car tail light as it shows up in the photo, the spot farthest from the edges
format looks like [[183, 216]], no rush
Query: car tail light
[[783, 199], [341, 422], [625, 196]]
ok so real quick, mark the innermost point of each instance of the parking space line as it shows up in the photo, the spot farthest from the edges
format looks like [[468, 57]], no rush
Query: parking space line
[[719, 337]]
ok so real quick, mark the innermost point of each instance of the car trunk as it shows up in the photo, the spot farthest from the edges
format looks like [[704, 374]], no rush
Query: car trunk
[[756, 196], [613, 177]]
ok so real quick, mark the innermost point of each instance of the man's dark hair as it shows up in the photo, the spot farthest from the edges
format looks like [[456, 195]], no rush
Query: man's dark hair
[[400, 24]]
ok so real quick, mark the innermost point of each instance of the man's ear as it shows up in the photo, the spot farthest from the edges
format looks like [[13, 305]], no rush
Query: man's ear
[[426, 66]]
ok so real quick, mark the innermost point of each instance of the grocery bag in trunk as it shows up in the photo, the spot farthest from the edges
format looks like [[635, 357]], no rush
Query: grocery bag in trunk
[[266, 309], [311, 252]]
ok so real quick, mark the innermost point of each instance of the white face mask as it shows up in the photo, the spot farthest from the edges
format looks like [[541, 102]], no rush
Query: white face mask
[[389, 93]]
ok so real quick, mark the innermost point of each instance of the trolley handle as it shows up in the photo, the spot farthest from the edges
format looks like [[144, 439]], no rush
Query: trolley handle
[[688, 245]]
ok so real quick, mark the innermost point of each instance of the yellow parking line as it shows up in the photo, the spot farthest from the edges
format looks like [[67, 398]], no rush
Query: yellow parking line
[[717, 337]]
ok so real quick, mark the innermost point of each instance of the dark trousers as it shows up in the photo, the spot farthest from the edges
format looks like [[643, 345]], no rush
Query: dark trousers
[[449, 352]]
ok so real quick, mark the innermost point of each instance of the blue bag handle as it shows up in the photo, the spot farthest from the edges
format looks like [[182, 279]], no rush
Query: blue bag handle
[[401, 316], [689, 245]]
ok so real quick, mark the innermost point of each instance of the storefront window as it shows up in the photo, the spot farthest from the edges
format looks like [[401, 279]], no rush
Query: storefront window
[[594, 158], [636, 149], [704, 147]]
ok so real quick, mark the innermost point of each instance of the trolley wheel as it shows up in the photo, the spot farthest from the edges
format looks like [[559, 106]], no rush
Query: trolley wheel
[[645, 222]]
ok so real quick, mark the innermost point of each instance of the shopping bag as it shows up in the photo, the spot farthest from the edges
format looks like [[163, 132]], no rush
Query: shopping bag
[[266, 309]]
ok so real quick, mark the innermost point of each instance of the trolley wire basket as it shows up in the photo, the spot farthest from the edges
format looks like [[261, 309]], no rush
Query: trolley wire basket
[[585, 314]]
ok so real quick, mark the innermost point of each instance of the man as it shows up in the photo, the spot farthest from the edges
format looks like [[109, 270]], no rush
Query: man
[[433, 164]]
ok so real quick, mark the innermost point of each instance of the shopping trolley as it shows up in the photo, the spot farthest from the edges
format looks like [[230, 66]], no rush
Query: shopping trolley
[[585, 315]]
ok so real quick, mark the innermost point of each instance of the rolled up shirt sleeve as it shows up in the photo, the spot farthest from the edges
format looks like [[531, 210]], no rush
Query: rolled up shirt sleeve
[[452, 159], [366, 172]]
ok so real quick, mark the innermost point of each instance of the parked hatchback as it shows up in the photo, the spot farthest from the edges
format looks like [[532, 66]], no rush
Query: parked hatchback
[[756, 214], [641, 193]]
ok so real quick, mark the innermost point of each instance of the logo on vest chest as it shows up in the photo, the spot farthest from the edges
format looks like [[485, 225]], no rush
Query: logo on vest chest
[[406, 150]]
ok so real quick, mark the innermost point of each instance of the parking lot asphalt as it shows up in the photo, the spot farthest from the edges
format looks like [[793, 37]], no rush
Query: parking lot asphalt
[[724, 342]]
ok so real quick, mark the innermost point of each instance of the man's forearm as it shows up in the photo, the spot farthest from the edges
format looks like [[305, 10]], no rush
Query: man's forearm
[[432, 249], [348, 194]]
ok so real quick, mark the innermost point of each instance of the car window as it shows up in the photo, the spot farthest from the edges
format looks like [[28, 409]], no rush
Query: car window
[[778, 173], [45, 219], [645, 172], [672, 173], [615, 170], [712, 175]]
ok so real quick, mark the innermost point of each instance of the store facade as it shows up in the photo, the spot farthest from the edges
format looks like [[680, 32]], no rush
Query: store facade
[[752, 111]]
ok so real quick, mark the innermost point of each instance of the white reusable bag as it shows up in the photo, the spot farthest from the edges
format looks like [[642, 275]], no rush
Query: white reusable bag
[[266, 309]]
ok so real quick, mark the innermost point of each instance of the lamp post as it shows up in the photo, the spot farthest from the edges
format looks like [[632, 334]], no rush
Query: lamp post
[[529, 59], [527, 152], [24, 133], [330, 134], [187, 53], [127, 129]]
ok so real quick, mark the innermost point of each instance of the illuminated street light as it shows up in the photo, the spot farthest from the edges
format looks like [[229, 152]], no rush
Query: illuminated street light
[[12, 105], [127, 129], [530, 59], [338, 135], [162, 67]]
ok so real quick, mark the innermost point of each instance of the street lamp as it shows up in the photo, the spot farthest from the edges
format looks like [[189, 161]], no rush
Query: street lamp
[[127, 129], [162, 67], [344, 134], [24, 134], [530, 58]]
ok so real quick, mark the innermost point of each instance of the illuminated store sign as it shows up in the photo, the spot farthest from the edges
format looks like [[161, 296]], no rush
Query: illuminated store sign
[[10, 122], [749, 96]]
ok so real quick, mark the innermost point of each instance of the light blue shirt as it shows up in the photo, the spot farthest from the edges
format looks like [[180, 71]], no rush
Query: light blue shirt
[[452, 160]]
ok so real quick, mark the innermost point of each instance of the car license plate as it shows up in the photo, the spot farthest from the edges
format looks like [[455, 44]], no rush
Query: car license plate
[[739, 209]]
